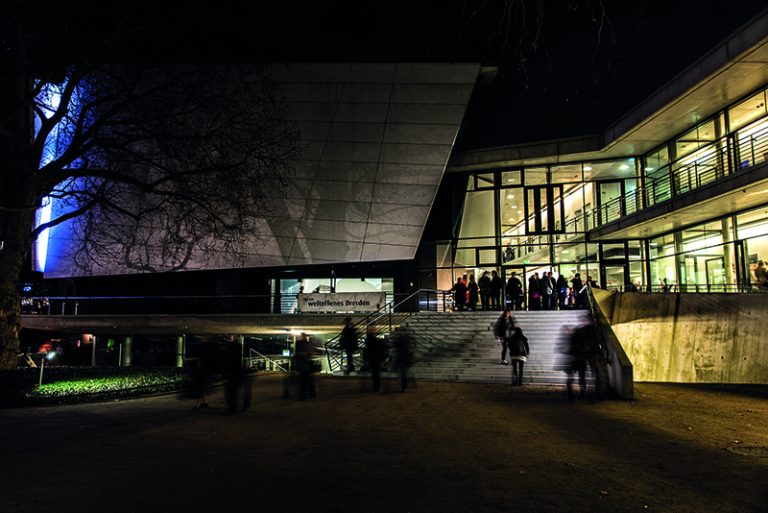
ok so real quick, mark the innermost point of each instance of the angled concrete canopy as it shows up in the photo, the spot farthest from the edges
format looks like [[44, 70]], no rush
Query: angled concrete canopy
[[376, 139]]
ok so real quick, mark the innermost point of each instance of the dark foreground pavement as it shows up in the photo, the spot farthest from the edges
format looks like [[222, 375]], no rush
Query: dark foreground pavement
[[437, 448]]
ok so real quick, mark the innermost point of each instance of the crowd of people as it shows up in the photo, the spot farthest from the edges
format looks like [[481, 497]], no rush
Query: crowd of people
[[543, 292]]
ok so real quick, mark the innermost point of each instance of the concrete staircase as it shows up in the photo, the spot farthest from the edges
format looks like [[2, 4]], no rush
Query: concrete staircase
[[460, 346]]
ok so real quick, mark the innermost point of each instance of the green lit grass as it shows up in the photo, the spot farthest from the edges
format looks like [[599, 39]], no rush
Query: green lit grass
[[107, 384]]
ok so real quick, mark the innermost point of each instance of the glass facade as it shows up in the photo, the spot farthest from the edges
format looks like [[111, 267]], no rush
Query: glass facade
[[535, 219]]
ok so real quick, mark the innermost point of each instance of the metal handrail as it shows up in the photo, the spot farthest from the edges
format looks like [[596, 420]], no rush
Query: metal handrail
[[388, 312], [266, 358], [155, 304], [620, 371]]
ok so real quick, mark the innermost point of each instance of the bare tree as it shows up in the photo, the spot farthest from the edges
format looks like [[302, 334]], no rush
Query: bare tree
[[152, 166]]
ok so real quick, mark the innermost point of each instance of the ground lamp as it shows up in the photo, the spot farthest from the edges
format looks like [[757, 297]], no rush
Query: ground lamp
[[50, 356]]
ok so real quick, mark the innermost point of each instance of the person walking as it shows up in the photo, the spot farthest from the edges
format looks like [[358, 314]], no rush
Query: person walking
[[459, 294], [514, 292], [403, 358], [374, 354], [497, 289], [349, 344], [501, 329], [302, 364], [485, 290], [518, 353], [237, 387]]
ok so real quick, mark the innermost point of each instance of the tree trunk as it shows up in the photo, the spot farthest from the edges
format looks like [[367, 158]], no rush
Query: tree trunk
[[12, 259]]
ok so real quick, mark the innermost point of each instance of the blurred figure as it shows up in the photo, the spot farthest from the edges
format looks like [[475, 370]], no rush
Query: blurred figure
[[203, 367], [349, 344], [403, 358], [237, 390], [302, 364], [518, 353], [502, 330], [374, 354], [584, 351]]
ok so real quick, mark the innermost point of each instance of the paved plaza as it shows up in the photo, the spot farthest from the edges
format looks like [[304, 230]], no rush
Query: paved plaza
[[436, 448]]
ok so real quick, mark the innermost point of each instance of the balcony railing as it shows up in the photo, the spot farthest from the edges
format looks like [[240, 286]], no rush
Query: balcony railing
[[706, 165]]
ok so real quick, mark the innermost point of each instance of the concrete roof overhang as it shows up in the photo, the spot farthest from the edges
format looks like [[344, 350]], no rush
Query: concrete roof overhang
[[222, 324], [733, 193], [730, 71]]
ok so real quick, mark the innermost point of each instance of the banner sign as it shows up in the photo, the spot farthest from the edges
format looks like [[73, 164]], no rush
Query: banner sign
[[341, 302]]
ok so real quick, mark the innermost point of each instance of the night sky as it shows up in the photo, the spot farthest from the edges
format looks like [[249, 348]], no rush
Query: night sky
[[571, 84]]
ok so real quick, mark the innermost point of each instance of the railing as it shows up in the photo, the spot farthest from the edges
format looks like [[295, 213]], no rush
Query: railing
[[693, 288], [704, 166], [137, 305], [254, 357], [386, 318], [620, 371]]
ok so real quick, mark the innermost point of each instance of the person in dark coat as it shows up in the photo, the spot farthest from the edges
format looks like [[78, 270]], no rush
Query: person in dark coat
[[374, 354], [514, 292], [302, 364], [534, 292], [547, 290], [349, 344], [484, 283], [473, 290], [561, 286], [238, 387], [503, 327], [579, 292], [518, 353], [204, 366], [497, 287], [459, 294]]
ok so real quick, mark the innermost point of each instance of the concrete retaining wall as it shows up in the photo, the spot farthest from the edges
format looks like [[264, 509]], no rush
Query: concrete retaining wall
[[692, 338]]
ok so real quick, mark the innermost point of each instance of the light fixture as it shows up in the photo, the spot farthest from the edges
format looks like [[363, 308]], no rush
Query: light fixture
[[509, 196], [648, 169], [623, 167], [587, 168]]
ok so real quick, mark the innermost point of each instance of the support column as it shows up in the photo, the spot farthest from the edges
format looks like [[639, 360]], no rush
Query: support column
[[181, 343], [125, 360], [241, 341], [93, 350], [728, 253]]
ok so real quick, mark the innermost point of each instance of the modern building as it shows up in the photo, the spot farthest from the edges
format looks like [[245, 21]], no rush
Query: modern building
[[675, 192], [671, 197]]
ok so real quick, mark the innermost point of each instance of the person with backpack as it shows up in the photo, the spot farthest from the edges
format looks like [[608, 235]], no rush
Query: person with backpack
[[518, 354]]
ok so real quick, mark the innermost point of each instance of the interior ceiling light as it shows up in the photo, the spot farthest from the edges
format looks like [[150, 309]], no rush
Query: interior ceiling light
[[648, 169], [587, 168], [509, 196], [623, 167]]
